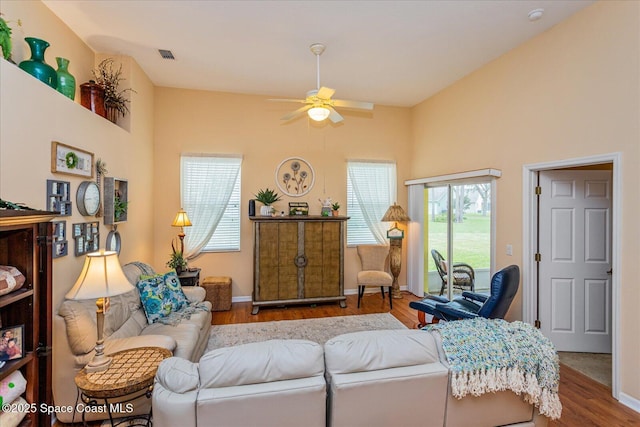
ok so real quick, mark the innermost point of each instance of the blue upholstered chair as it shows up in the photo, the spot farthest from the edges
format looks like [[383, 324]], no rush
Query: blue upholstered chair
[[504, 285]]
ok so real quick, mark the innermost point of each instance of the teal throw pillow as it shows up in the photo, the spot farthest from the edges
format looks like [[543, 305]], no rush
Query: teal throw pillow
[[174, 292], [161, 295], [152, 291]]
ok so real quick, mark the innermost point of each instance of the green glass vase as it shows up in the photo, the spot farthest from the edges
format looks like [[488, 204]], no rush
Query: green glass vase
[[36, 65], [66, 82]]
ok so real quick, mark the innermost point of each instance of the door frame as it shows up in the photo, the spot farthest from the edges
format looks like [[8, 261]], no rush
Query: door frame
[[529, 222]]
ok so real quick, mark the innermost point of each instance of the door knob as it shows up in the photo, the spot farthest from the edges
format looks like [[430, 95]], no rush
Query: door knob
[[610, 271]]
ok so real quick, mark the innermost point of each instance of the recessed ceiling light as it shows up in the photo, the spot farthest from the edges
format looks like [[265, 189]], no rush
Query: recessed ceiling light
[[535, 14]]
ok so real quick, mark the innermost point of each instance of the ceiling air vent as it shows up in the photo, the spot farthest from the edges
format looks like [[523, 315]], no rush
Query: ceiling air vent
[[166, 54]]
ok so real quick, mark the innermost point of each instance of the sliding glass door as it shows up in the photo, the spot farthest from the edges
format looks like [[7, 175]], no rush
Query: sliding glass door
[[458, 227]]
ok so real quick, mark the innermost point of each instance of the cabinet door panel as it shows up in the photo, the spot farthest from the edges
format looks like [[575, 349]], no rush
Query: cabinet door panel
[[267, 264], [331, 258], [287, 253], [313, 272]]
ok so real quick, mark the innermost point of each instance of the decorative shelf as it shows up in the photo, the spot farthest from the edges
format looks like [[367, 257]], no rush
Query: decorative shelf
[[115, 190]]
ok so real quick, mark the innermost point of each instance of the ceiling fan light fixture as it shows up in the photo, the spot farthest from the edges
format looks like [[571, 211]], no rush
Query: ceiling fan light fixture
[[318, 113]]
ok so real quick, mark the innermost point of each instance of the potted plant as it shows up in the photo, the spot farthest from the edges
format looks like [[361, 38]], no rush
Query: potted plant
[[267, 198], [109, 78], [5, 39], [177, 260], [119, 208], [335, 207]]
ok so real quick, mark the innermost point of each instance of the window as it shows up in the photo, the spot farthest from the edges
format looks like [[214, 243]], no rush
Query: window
[[371, 189], [210, 189]]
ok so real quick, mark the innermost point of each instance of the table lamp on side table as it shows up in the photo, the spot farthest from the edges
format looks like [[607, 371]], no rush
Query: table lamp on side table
[[181, 220], [395, 235], [101, 277]]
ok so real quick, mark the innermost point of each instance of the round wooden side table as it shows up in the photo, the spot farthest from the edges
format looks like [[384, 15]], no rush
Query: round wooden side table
[[131, 373]]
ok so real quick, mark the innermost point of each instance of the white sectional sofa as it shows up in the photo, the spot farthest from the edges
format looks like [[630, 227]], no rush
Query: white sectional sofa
[[373, 378], [126, 327]]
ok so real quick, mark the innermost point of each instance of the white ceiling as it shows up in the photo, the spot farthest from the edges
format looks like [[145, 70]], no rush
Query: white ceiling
[[387, 52]]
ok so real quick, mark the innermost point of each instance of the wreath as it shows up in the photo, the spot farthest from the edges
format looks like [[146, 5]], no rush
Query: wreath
[[71, 159]]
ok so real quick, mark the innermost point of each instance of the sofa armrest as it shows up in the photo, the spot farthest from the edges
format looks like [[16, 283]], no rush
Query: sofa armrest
[[194, 293], [118, 344], [475, 296], [175, 393]]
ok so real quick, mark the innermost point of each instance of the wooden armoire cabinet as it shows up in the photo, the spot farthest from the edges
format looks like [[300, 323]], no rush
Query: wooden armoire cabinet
[[25, 243], [298, 259]]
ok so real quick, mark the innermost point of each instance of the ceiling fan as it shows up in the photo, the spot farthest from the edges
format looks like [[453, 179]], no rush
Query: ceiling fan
[[318, 103]]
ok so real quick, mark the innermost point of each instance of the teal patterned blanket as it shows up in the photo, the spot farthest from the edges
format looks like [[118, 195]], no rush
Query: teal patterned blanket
[[489, 355]]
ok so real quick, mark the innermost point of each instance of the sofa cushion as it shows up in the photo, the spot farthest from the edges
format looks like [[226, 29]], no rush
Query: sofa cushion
[[261, 362], [80, 321], [374, 350], [120, 309], [185, 334]]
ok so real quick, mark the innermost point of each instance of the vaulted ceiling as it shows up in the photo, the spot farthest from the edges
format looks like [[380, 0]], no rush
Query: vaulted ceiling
[[388, 52]]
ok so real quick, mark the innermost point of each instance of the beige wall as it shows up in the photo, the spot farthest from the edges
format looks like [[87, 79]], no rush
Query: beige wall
[[189, 121], [571, 92], [32, 115]]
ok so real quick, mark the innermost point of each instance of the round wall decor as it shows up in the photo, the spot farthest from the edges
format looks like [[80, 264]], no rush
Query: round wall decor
[[88, 198], [113, 241], [295, 176]]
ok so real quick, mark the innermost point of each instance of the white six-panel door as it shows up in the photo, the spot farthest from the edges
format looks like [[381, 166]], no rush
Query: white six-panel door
[[575, 248]]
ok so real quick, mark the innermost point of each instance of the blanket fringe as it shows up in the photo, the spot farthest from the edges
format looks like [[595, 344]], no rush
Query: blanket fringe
[[484, 381]]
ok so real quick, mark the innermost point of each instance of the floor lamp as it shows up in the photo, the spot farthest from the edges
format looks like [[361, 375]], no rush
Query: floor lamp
[[181, 220], [395, 235], [101, 277]]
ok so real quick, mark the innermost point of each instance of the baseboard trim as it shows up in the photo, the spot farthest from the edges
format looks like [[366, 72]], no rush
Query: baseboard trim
[[629, 401], [369, 290]]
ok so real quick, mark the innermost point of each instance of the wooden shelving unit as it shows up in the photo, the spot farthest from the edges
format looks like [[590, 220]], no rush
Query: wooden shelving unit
[[25, 243]]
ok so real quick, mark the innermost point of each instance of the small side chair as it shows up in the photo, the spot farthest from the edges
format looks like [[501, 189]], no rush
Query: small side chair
[[373, 259]]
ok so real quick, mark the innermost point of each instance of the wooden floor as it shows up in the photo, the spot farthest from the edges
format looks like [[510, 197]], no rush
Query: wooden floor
[[585, 402]]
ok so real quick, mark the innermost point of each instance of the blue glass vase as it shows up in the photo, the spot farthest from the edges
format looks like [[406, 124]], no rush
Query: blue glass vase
[[36, 65], [66, 82]]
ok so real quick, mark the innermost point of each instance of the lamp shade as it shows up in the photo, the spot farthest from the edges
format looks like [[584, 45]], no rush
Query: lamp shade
[[181, 219], [318, 113], [395, 213], [101, 276]]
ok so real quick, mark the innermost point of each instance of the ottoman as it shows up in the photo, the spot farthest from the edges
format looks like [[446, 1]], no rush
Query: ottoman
[[218, 291]]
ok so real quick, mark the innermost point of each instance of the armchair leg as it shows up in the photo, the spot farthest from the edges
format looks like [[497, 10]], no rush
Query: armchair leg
[[360, 292], [390, 298], [382, 290]]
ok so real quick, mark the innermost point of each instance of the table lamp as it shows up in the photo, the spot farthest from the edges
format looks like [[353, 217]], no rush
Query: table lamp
[[395, 214], [181, 220], [101, 277]]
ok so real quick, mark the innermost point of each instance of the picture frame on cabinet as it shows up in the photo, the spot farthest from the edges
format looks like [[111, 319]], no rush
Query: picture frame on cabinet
[[12, 343], [70, 160], [59, 242]]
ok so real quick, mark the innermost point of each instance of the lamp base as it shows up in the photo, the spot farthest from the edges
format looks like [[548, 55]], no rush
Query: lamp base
[[395, 263], [98, 364]]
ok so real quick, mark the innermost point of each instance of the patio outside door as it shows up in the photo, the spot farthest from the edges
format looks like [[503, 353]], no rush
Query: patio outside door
[[458, 224]]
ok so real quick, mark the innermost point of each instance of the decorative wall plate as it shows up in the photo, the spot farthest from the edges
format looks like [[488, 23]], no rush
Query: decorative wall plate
[[295, 176], [113, 241]]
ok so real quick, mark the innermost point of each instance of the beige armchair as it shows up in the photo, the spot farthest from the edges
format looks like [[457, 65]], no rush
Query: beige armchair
[[373, 259]]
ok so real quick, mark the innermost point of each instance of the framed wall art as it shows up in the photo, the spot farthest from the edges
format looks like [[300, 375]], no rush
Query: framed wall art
[[70, 160], [295, 176]]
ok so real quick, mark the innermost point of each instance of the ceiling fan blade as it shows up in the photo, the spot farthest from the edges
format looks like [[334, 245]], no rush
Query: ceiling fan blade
[[296, 113], [325, 92], [360, 105], [334, 116], [288, 100]]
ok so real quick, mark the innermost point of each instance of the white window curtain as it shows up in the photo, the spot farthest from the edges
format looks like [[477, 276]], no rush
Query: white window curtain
[[206, 185], [373, 185]]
